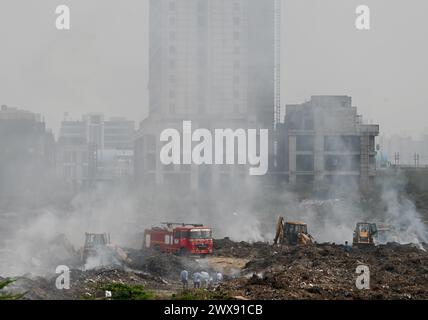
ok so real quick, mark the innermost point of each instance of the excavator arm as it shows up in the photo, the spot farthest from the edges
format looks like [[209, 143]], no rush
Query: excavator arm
[[279, 235]]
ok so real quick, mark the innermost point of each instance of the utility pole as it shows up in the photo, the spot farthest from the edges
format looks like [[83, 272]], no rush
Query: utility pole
[[416, 158], [397, 159]]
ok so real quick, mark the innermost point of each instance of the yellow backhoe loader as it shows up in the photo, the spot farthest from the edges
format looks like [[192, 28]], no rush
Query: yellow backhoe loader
[[292, 233]]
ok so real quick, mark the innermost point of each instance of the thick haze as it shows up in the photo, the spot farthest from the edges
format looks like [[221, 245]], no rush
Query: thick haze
[[102, 63]]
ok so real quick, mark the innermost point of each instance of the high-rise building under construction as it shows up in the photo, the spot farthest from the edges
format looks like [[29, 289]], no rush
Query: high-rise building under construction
[[211, 62]]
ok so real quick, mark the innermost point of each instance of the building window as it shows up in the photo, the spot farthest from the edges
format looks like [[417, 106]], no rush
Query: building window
[[201, 108], [172, 50], [201, 22], [342, 163], [236, 36], [236, 21], [150, 143], [304, 143], [342, 143], [201, 6], [302, 179], [172, 6], [151, 162], [172, 108], [169, 167], [304, 162], [308, 124], [205, 177], [202, 60]]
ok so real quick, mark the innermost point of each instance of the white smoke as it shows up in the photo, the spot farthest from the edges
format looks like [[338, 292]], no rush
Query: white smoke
[[402, 218]]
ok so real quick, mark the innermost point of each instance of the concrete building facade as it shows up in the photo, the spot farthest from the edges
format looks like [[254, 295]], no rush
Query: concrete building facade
[[404, 150], [27, 155], [324, 139], [211, 62], [95, 150], [94, 129]]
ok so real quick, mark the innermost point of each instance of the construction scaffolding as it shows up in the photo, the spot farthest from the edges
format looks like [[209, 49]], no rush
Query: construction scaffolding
[[277, 76], [277, 68]]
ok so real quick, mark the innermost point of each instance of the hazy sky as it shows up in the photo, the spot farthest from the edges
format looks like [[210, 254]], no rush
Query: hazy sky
[[101, 65]]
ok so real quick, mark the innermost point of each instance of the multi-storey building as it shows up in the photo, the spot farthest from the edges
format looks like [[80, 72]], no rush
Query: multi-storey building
[[211, 62], [324, 140], [404, 150], [95, 150], [114, 133], [27, 156]]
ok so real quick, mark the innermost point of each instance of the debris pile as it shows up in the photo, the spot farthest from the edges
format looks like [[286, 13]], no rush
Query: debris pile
[[255, 271], [327, 271], [158, 263], [229, 248], [85, 284]]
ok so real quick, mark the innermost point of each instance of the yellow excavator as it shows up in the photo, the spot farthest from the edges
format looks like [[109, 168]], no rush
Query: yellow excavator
[[364, 234], [292, 233], [99, 245]]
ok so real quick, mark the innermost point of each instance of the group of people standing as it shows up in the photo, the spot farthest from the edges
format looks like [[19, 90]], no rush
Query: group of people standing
[[201, 279]]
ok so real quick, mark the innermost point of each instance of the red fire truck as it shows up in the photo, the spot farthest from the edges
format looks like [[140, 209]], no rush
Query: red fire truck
[[180, 238]]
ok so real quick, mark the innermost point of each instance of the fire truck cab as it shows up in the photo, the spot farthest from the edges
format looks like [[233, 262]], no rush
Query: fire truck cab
[[180, 238]]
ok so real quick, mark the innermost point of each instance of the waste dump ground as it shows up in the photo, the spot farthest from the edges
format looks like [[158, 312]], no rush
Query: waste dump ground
[[327, 271], [254, 271]]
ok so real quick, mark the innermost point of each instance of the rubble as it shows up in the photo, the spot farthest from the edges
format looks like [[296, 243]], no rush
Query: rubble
[[257, 271], [84, 284], [160, 264], [227, 247], [327, 271], [156, 271]]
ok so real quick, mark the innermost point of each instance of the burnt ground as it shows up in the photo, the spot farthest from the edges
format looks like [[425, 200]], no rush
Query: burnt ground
[[327, 271], [256, 271], [157, 272], [85, 284]]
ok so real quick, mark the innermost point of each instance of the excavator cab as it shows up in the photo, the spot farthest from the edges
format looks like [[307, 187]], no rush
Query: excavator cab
[[292, 230], [93, 243], [364, 234], [292, 233], [96, 239]]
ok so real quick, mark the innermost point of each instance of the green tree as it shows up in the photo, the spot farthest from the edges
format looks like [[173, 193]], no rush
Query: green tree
[[4, 284]]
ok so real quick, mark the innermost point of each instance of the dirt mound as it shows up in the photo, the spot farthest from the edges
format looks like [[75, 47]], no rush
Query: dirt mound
[[154, 270], [84, 284], [160, 264], [257, 271], [228, 248], [325, 271]]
